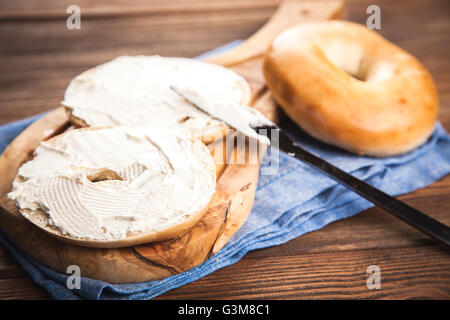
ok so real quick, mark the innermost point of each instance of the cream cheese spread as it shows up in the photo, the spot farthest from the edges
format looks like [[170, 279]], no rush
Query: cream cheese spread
[[240, 117], [112, 183], [137, 90]]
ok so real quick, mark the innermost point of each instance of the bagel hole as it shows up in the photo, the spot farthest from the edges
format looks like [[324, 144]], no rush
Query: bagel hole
[[346, 56], [356, 76], [104, 175]]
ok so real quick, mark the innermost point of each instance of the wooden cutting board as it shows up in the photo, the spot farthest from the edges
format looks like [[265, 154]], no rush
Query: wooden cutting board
[[230, 205]]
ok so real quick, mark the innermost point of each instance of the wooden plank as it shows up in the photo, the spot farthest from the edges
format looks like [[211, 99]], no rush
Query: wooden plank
[[45, 9], [406, 273], [9, 268], [20, 289], [35, 68]]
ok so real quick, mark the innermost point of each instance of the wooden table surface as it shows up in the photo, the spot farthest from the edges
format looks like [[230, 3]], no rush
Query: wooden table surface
[[39, 56]]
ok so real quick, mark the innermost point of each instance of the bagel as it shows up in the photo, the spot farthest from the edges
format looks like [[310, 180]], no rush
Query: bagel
[[137, 90], [116, 187], [348, 86]]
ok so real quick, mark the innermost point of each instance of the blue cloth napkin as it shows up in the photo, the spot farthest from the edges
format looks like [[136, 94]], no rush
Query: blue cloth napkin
[[289, 202]]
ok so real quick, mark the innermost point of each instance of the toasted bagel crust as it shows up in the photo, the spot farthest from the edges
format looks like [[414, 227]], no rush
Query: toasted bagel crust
[[348, 86]]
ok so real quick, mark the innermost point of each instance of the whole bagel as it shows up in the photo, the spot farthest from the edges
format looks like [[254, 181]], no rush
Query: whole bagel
[[348, 86]]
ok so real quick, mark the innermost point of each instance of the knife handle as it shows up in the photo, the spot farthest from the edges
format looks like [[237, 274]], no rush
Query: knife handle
[[401, 210]]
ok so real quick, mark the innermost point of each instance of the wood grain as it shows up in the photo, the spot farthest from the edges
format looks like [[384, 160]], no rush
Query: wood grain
[[28, 9], [42, 56], [329, 275]]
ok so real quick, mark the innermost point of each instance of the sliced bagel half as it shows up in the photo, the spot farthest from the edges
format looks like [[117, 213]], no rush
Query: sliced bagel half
[[138, 90], [116, 187]]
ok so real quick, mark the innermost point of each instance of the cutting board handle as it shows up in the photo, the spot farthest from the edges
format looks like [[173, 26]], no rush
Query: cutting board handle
[[288, 14]]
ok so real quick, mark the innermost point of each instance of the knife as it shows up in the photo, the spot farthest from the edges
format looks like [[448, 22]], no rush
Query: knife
[[401, 210], [261, 128]]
